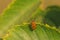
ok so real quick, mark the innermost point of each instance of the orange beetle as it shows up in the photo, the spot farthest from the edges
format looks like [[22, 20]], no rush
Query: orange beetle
[[33, 25]]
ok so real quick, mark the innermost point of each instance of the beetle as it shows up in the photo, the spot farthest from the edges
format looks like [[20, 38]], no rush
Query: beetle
[[33, 25]]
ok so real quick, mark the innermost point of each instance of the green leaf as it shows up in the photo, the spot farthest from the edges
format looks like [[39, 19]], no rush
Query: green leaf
[[23, 32], [20, 11], [15, 11], [53, 15]]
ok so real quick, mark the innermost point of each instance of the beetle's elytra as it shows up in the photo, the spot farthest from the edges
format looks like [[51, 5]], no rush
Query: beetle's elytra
[[33, 25]]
